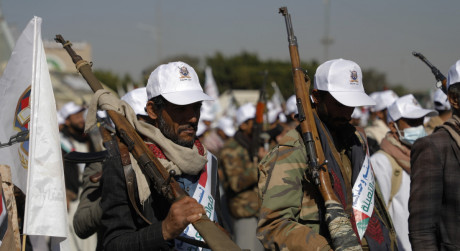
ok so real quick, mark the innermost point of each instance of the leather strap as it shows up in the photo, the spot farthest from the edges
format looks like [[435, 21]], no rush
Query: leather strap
[[81, 157], [194, 242], [129, 178]]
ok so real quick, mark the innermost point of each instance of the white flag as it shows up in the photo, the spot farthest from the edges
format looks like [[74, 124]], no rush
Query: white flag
[[277, 98], [210, 88], [26, 85]]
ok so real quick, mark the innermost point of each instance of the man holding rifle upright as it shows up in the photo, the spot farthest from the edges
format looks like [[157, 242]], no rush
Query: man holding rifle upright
[[240, 172], [292, 215], [150, 222], [434, 195]]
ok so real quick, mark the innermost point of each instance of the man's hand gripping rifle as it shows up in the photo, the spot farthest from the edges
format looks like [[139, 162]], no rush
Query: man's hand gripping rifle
[[162, 181], [342, 234]]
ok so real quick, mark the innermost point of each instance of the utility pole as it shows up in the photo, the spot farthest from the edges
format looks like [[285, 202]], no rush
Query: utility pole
[[157, 23], [326, 40]]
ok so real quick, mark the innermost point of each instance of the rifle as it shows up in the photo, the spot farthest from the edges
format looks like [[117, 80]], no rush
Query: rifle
[[257, 127], [342, 234], [440, 78], [162, 181]]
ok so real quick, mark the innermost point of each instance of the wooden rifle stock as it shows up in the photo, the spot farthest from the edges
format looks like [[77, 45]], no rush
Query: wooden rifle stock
[[163, 181], [437, 73], [343, 238]]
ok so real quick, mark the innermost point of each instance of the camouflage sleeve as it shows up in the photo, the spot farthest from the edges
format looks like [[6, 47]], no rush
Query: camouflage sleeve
[[240, 171], [284, 203]]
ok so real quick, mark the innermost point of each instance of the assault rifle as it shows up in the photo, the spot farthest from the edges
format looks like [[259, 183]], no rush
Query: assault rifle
[[258, 125], [342, 234], [163, 182], [440, 78]]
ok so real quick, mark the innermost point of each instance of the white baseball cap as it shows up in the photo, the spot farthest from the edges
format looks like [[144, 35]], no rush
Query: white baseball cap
[[384, 99], [291, 105], [60, 119], [272, 112], [453, 76], [201, 128], [206, 112], [357, 113], [245, 112], [226, 125], [408, 107], [69, 108], [137, 99], [177, 82], [441, 103], [343, 80], [374, 97]]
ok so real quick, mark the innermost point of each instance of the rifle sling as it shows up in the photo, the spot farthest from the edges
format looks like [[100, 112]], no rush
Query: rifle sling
[[129, 178], [85, 157]]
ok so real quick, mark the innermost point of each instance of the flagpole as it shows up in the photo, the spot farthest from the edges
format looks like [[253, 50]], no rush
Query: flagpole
[[24, 242]]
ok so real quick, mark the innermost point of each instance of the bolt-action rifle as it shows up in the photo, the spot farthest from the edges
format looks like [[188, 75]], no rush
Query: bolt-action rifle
[[342, 234], [440, 78], [162, 181]]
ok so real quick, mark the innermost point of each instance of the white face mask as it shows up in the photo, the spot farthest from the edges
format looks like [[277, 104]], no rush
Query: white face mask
[[411, 134]]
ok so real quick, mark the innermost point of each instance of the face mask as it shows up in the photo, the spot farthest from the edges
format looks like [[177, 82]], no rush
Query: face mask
[[411, 134]]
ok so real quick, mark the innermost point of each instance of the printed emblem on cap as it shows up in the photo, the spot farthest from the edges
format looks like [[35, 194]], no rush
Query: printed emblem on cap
[[184, 72], [354, 77]]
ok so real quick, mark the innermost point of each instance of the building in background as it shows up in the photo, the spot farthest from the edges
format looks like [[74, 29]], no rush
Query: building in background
[[68, 84]]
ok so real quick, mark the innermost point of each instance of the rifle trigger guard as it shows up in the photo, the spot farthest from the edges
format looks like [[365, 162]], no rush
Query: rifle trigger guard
[[315, 172]]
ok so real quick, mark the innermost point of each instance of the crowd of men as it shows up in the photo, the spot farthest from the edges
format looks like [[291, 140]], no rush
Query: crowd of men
[[265, 197]]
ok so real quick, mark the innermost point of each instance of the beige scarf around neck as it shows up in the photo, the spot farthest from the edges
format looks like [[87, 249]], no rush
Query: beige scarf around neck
[[180, 159], [398, 151]]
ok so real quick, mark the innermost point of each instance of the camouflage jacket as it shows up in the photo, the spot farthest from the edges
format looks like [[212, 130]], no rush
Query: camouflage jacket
[[292, 206], [240, 179]]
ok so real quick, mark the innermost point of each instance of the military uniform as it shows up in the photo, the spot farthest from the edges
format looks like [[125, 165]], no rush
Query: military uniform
[[240, 180], [241, 188], [292, 210]]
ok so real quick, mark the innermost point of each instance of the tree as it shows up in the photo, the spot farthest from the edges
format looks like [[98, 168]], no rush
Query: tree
[[108, 78]]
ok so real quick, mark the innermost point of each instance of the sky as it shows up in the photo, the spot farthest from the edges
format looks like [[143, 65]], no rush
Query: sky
[[129, 36]]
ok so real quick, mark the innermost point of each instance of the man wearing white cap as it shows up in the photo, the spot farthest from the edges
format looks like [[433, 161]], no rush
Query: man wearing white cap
[[174, 100], [434, 195], [240, 174], [356, 117], [379, 126], [291, 112], [216, 138], [73, 139], [442, 106], [292, 214], [392, 163]]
